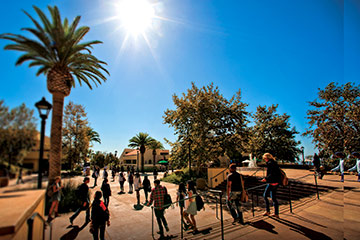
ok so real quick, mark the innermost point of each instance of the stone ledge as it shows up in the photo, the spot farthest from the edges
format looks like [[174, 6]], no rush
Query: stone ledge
[[16, 207]]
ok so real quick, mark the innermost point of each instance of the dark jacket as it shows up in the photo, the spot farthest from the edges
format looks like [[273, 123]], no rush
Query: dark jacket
[[105, 188], [83, 192], [146, 185], [273, 174], [99, 213]]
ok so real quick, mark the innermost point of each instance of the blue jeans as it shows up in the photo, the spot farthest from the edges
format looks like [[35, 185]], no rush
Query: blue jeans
[[271, 191], [234, 208]]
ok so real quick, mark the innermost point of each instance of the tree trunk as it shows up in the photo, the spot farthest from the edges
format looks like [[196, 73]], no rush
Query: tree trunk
[[56, 136]]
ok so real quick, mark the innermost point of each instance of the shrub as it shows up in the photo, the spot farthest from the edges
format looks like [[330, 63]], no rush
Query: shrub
[[183, 176], [69, 201]]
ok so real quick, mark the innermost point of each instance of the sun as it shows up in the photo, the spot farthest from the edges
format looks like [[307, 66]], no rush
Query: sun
[[136, 16]]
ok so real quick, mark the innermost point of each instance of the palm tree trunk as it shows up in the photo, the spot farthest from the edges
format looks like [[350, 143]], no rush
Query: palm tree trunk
[[154, 155], [56, 136], [142, 162]]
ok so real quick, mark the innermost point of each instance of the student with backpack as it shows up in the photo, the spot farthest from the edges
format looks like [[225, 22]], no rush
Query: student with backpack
[[273, 179], [106, 191], [55, 193], [99, 217], [122, 180], [190, 204], [82, 193], [233, 193]]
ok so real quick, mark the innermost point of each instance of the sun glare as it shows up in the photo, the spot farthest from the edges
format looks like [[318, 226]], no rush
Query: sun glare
[[136, 16]]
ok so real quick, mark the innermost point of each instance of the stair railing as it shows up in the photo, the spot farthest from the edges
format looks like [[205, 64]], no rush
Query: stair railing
[[30, 223], [221, 179]]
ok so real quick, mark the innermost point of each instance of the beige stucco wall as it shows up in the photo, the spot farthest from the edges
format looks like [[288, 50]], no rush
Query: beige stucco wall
[[16, 208], [214, 179], [148, 156]]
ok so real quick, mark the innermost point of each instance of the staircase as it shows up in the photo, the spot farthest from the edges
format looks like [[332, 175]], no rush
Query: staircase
[[298, 189]]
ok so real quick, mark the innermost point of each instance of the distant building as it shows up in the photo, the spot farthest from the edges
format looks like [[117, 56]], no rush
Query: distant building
[[131, 156], [31, 160]]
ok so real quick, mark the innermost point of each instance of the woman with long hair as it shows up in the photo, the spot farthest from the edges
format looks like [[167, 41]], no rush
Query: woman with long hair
[[99, 217], [55, 198], [191, 208]]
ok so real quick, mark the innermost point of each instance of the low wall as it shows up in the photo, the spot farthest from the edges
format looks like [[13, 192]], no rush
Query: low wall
[[216, 176], [16, 208]]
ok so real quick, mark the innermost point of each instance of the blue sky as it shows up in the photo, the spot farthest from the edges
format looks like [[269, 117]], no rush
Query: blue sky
[[276, 52]]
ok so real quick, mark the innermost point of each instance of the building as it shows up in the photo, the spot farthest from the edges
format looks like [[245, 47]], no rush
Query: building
[[132, 157], [31, 160]]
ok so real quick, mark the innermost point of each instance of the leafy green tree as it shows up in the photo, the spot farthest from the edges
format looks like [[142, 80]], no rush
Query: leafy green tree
[[93, 136], [58, 53], [334, 119], [207, 125], [141, 141], [76, 128], [17, 133], [154, 146], [98, 159], [272, 133]]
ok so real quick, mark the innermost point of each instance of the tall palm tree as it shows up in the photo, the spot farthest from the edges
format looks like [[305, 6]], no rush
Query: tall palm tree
[[93, 135], [61, 57], [154, 146], [141, 141]]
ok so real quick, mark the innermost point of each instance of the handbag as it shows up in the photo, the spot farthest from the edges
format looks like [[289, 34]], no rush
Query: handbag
[[244, 197]]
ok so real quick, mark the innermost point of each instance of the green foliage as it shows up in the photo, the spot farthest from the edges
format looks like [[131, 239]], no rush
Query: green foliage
[[271, 133], [57, 45], [334, 119], [98, 159], [77, 134], [208, 124], [17, 133], [141, 141], [181, 176], [69, 201]]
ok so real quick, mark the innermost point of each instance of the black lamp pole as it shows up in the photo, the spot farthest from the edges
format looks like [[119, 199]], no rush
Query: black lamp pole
[[44, 108]]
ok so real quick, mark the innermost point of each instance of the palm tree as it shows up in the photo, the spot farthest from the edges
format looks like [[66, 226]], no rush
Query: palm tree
[[61, 57], [155, 145], [93, 135], [141, 140]]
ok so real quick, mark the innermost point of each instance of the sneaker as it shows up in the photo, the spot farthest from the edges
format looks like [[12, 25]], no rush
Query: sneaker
[[275, 215], [266, 214], [167, 228]]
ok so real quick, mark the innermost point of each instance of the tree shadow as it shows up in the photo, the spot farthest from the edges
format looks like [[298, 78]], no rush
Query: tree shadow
[[261, 224], [73, 233], [307, 232]]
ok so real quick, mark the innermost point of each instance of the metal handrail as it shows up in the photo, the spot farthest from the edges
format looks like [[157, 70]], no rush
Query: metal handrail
[[30, 223]]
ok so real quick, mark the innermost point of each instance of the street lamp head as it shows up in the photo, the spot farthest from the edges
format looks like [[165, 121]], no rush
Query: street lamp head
[[44, 107]]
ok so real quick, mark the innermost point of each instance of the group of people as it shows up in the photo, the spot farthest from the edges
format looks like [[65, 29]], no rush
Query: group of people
[[340, 167]]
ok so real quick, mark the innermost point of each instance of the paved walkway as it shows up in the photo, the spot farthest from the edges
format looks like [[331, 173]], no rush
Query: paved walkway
[[334, 216]]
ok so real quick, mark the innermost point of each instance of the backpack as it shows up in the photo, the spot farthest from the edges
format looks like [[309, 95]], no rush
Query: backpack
[[284, 178], [50, 191], [167, 200], [199, 202]]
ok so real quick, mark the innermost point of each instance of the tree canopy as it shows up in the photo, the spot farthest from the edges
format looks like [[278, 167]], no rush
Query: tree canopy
[[208, 123], [272, 133], [17, 132], [334, 119]]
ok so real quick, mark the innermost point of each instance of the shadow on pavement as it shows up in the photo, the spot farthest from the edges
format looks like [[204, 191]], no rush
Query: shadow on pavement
[[307, 232], [261, 224], [306, 220], [203, 231], [72, 234]]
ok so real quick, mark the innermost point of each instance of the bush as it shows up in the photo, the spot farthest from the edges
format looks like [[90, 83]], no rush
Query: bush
[[69, 201], [183, 176]]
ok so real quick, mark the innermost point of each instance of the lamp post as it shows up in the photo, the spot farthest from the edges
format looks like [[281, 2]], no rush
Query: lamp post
[[44, 108], [302, 153]]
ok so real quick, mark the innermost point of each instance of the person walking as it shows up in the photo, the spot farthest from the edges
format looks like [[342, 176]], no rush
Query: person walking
[[55, 198], [341, 156], [233, 193], [106, 191], [180, 198], [100, 217], [95, 175], [273, 178], [155, 173], [157, 196], [147, 187], [19, 179], [83, 196], [190, 204], [316, 162], [356, 167], [131, 182], [137, 186], [113, 173], [105, 173], [122, 180]]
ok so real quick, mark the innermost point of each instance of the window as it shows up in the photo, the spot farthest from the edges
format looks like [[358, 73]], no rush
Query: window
[[128, 161]]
